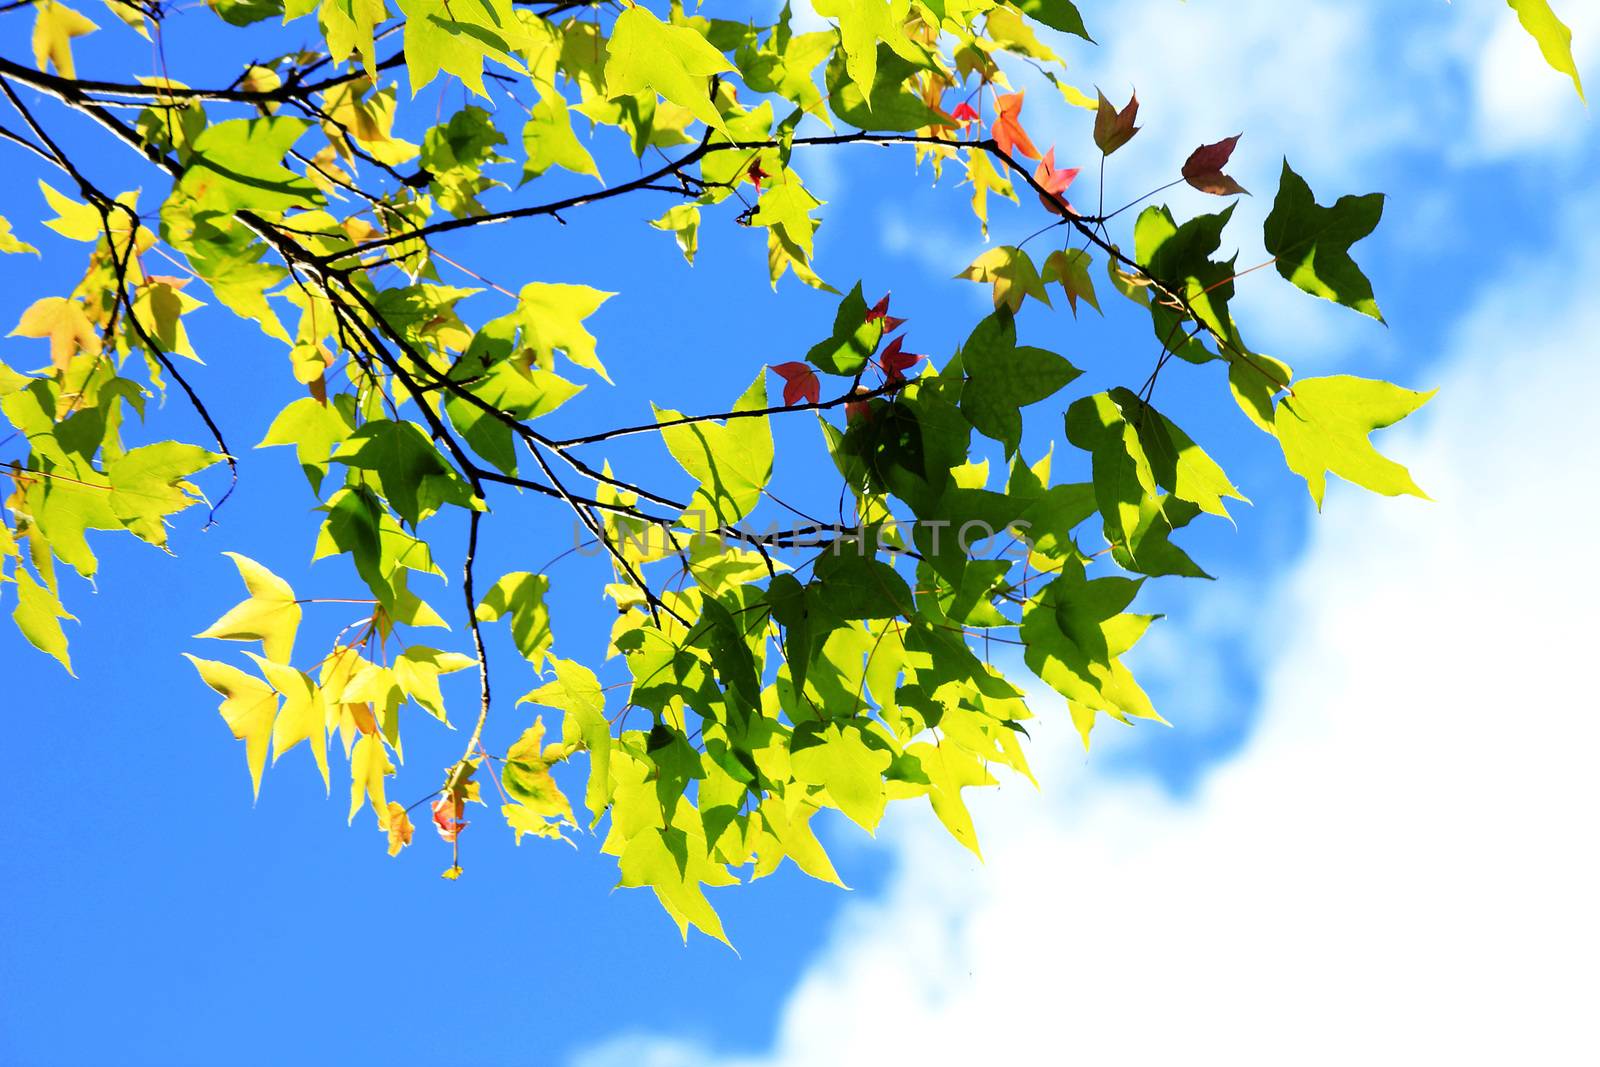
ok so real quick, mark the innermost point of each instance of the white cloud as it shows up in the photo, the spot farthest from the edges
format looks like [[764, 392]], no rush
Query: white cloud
[[1399, 867]]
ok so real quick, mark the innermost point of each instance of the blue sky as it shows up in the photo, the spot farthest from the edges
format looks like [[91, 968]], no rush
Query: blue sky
[[1376, 756]]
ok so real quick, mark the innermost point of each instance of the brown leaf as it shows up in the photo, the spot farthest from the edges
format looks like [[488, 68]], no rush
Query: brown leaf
[[1203, 168], [1113, 128]]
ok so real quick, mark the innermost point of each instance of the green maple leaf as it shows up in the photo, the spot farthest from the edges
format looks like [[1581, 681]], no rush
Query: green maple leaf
[[506, 387], [521, 595], [381, 550], [1003, 378], [151, 482], [414, 477], [551, 317], [1323, 427], [1180, 257], [949, 770], [65, 508], [1312, 243], [787, 203], [885, 102], [862, 25], [1057, 14], [456, 38], [38, 615], [674, 61], [237, 165], [1123, 477], [683, 222], [1070, 267], [675, 863], [1149, 549], [314, 429], [786, 65], [1178, 464], [838, 757], [577, 694], [853, 340], [549, 141], [732, 460], [1075, 633]]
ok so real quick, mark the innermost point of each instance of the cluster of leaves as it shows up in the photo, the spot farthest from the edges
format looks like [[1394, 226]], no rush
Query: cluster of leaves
[[825, 666]]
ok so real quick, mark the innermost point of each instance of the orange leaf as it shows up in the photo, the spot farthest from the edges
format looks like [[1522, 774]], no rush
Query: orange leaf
[[447, 816], [1054, 182], [1007, 129], [400, 828]]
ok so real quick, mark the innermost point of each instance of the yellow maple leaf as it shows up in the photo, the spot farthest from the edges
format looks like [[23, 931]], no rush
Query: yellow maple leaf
[[249, 706], [64, 323], [270, 616], [54, 27], [369, 764], [1012, 274], [400, 828]]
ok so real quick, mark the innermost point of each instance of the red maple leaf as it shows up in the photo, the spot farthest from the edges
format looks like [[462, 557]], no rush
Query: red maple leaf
[[1203, 168], [880, 311], [1007, 130], [858, 409], [1054, 182], [893, 361], [965, 113], [757, 174], [447, 816], [799, 382]]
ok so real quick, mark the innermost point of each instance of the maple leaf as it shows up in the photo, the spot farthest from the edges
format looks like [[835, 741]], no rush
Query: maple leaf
[[799, 382], [63, 321], [1071, 269], [1054, 182], [1203, 168], [400, 828], [271, 615], [879, 312], [249, 707], [965, 114], [1012, 274], [674, 61], [1113, 128], [448, 812], [894, 362], [54, 27], [857, 409], [757, 175], [1007, 129], [1324, 426]]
